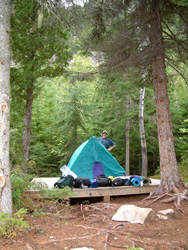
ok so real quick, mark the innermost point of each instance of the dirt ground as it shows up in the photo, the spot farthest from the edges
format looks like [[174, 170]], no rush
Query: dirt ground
[[80, 225]]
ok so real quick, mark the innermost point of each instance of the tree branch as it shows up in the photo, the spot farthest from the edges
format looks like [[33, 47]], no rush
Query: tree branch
[[177, 71], [173, 37]]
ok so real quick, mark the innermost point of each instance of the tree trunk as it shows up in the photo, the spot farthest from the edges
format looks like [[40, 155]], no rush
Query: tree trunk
[[170, 177], [142, 134], [27, 128], [5, 183], [127, 134]]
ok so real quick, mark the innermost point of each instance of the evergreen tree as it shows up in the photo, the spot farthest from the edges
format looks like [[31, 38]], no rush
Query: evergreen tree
[[135, 32], [37, 50]]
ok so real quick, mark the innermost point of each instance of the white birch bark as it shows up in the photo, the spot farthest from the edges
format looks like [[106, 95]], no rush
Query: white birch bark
[[142, 133], [127, 135], [5, 183], [27, 128]]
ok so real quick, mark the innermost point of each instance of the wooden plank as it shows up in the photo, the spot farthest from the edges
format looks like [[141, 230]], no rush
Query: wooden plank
[[113, 191], [106, 199], [103, 191]]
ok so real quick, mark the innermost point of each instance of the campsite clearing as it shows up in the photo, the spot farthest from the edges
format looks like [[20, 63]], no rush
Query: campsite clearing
[[56, 226]]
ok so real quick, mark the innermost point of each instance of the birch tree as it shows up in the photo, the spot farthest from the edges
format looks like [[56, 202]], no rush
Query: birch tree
[[5, 183], [127, 135], [142, 133]]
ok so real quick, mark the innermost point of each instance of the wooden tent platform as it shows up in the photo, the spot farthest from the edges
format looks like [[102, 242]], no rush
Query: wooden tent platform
[[105, 192]]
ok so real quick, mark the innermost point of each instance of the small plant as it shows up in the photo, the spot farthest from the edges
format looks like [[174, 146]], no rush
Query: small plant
[[20, 183], [183, 168], [10, 224], [57, 193], [39, 212], [86, 202]]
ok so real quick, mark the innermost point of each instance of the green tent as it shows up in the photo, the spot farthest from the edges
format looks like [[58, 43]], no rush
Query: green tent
[[91, 159]]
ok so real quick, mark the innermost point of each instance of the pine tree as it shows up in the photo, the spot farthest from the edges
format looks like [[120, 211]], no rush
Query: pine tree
[[38, 50], [134, 37]]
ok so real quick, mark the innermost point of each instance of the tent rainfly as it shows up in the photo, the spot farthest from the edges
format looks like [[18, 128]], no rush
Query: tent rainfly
[[91, 159]]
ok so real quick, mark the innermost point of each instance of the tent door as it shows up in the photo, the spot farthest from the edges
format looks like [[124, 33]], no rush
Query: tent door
[[97, 169]]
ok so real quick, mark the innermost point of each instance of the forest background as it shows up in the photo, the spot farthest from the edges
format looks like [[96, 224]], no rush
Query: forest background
[[61, 95]]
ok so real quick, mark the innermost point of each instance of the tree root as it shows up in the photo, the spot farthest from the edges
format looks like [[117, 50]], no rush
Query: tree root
[[101, 232], [156, 198], [177, 198], [118, 235], [119, 225], [83, 215]]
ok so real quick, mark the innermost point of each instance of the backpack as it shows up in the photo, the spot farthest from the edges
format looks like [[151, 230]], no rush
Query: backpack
[[81, 182], [65, 181], [118, 182], [103, 181]]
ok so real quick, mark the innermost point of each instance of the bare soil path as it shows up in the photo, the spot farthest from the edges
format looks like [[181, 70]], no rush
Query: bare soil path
[[65, 227]]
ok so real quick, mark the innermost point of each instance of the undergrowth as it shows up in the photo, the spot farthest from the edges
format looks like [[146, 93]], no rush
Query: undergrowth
[[183, 168], [20, 184], [8, 225], [56, 193]]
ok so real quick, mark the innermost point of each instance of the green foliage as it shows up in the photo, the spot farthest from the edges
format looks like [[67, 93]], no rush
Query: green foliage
[[61, 117], [86, 202], [182, 2], [184, 130], [8, 225], [70, 108], [183, 168], [137, 248], [39, 212], [19, 183], [60, 193], [38, 50]]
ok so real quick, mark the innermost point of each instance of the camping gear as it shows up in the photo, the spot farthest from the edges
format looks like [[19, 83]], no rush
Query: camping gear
[[118, 182], [66, 171], [146, 181], [80, 182], [127, 182], [136, 182], [111, 177], [65, 181], [103, 181], [94, 184], [91, 159], [136, 176]]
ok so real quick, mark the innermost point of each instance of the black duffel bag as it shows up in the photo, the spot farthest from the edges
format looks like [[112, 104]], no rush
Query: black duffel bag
[[81, 182], [118, 182], [103, 181]]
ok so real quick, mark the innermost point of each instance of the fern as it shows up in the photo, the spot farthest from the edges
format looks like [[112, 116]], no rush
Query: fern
[[19, 184]]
